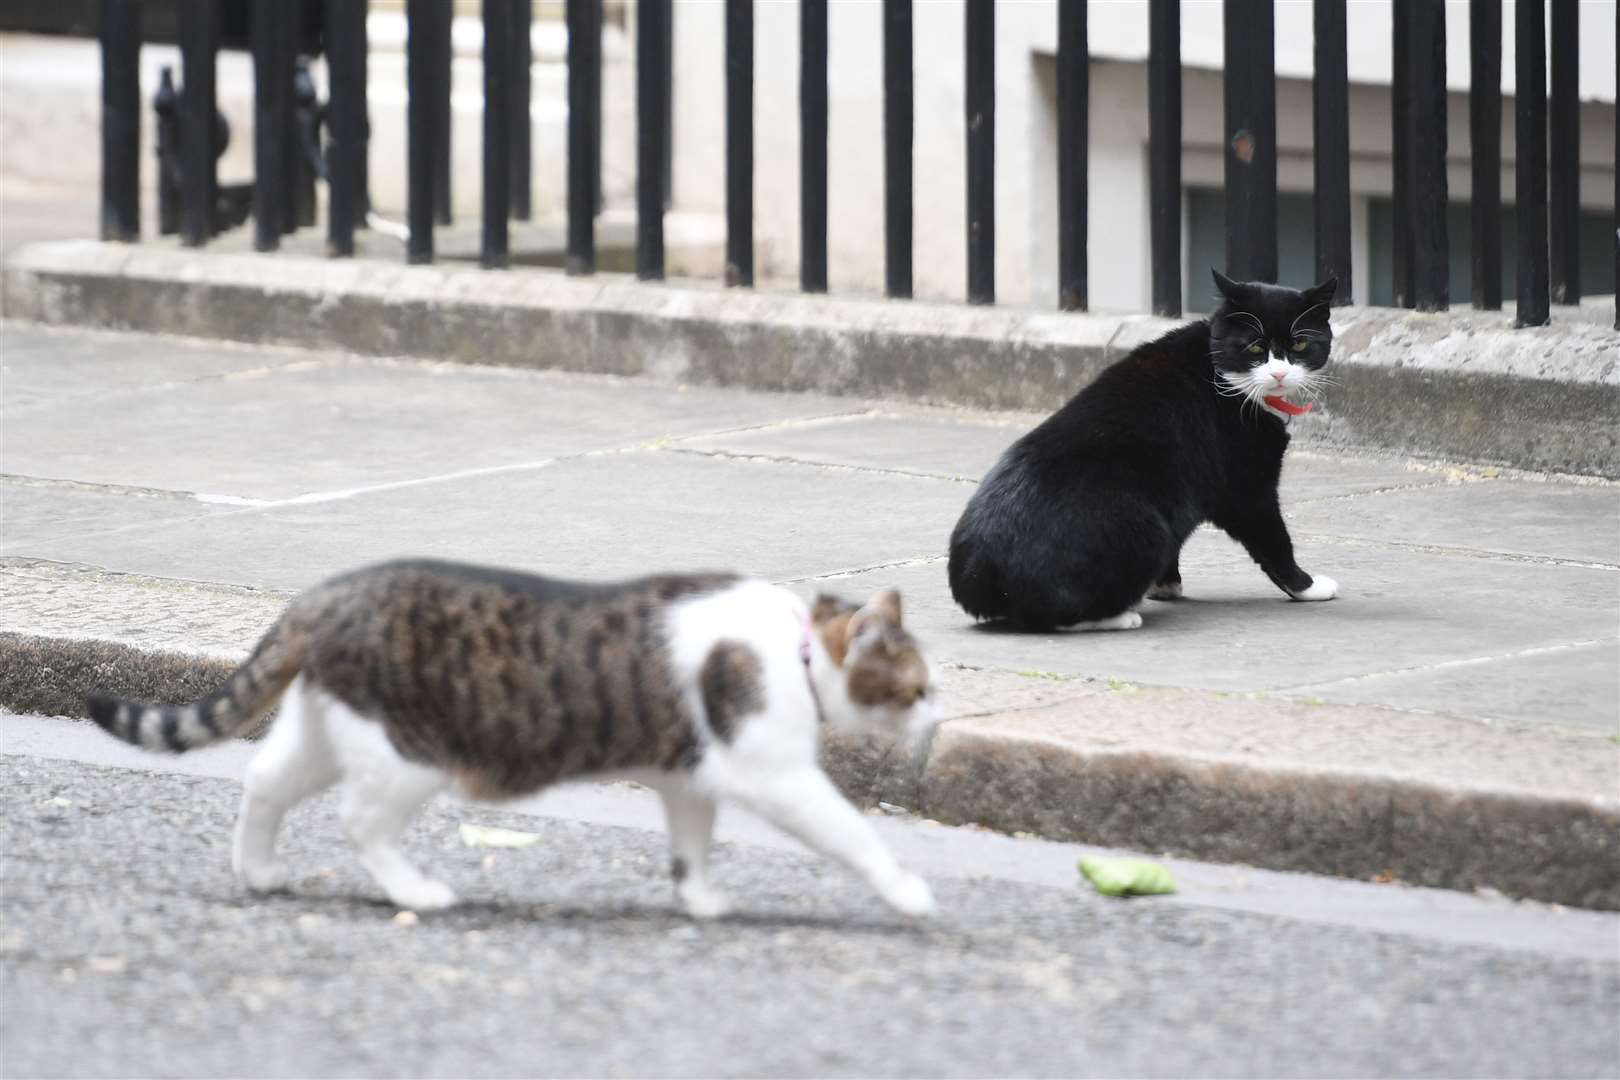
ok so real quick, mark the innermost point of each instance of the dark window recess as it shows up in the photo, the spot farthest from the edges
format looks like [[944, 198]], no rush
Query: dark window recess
[[1596, 254], [1206, 210], [1206, 243]]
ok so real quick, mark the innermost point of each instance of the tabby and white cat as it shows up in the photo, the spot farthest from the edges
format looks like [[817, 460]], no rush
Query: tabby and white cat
[[1085, 516], [404, 679]]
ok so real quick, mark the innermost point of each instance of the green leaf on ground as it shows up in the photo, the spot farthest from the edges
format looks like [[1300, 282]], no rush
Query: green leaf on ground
[[489, 836], [1126, 877]]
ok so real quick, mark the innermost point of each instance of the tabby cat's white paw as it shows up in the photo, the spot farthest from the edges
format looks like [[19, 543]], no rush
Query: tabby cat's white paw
[[910, 895], [1321, 588], [702, 902], [425, 895], [267, 877]]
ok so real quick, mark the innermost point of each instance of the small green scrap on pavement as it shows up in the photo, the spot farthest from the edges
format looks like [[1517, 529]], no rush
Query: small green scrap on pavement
[[489, 836], [1126, 877]]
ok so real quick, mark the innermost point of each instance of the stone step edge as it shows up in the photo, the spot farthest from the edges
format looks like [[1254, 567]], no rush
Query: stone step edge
[[1457, 385], [1362, 825]]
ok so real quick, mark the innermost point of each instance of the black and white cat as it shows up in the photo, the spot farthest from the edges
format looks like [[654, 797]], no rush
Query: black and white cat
[[1085, 515]]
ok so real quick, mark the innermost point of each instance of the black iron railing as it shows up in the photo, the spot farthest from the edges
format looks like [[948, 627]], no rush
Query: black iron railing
[[288, 127]]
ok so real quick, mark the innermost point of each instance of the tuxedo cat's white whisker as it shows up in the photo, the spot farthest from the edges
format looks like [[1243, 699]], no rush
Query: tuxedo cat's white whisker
[[1258, 325], [1304, 313]]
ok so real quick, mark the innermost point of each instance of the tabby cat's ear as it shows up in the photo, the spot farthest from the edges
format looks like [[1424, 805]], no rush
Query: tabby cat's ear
[[827, 608], [885, 606], [1323, 293], [1228, 287]]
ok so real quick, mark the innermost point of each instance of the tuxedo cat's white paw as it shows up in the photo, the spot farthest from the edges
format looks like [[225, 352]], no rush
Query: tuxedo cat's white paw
[[1169, 590], [703, 902], [910, 895], [424, 895], [264, 877], [1125, 620], [1321, 588]]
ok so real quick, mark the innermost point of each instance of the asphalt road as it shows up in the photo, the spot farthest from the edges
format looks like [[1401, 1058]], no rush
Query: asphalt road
[[128, 950]]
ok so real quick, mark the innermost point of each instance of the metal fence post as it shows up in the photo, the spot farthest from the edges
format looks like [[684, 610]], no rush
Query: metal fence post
[[346, 108], [272, 98], [1073, 94], [1400, 195], [739, 53], [1330, 106], [121, 120], [423, 20], [652, 133], [494, 252], [1564, 148], [199, 43], [1425, 117], [897, 148], [584, 67], [1530, 160], [1164, 153], [1485, 153], [981, 151], [1251, 141], [813, 145], [441, 62], [520, 97]]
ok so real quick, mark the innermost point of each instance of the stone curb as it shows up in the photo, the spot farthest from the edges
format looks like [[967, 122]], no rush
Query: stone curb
[[1286, 817], [1462, 386]]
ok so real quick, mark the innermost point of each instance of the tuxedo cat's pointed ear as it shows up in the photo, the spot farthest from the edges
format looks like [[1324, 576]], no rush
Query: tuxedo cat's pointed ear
[[1323, 293], [1227, 286]]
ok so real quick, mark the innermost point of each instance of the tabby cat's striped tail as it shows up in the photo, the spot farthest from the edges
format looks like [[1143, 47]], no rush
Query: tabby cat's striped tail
[[249, 692]]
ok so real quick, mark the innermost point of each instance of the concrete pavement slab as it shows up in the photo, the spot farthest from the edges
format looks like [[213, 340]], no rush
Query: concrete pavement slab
[[1312, 472], [36, 517], [959, 445], [963, 444], [45, 366], [287, 433], [1578, 684], [1538, 520], [605, 516], [131, 609], [1236, 631]]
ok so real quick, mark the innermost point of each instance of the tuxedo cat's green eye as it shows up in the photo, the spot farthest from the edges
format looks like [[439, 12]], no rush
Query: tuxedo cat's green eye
[[1298, 345], [1257, 348]]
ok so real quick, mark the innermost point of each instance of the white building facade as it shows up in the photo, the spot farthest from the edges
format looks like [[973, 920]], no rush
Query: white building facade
[[1026, 140]]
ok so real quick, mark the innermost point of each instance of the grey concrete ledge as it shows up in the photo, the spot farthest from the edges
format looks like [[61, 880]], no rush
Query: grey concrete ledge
[[1281, 816], [1536, 845], [1462, 386]]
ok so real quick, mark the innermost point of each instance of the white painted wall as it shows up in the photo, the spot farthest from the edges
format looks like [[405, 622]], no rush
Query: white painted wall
[[1026, 131]]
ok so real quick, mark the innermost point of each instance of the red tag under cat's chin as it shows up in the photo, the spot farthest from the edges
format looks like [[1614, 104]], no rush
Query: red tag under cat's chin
[[1283, 405]]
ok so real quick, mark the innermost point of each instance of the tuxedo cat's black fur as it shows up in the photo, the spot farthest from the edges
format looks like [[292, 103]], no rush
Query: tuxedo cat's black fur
[[1084, 515]]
